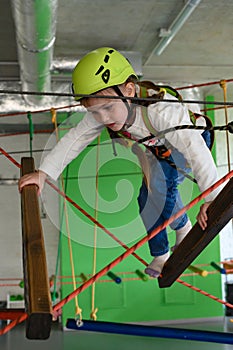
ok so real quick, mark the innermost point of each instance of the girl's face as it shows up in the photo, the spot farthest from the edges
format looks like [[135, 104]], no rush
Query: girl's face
[[110, 112]]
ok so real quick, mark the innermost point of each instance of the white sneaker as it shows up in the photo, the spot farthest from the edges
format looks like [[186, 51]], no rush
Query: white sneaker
[[155, 267]]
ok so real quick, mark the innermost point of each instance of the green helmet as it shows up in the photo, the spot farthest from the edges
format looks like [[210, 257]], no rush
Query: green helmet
[[99, 69]]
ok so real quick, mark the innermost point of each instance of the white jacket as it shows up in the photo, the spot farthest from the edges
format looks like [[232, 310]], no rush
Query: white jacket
[[162, 115]]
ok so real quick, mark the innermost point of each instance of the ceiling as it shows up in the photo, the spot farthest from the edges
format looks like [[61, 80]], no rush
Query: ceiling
[[201, 51]]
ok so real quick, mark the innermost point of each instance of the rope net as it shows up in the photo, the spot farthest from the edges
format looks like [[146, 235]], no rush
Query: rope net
[[128, 250]]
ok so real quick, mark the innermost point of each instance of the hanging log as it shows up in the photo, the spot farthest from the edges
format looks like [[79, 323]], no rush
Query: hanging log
[[36, 283], [220, 212]]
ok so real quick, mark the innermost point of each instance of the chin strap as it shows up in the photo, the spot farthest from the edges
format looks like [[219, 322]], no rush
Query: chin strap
[[128, 106]]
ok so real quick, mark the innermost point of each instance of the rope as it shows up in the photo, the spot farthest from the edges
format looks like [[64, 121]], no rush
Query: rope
[[204, 293], [93, 309], [128, 251], [11, 159], [17, 133], [31, 131], [78, 312], [38, 111], [54, 120], [201, 196], [113, 97], [124, 279], [213, 108], [224, 87], [13, 324], [227, 127], [180, 127], [121, 257], [84, 212], [140, 243], [56, 269], [203, 84]]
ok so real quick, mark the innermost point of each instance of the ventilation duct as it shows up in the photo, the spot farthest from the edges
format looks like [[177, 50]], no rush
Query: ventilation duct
[[35, 24]]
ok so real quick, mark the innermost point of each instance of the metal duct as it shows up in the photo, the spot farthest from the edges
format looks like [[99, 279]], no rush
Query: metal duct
[[35, 22], [14, 103]]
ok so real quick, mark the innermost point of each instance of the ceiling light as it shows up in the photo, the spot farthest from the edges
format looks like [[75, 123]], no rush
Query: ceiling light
[[168, 34]]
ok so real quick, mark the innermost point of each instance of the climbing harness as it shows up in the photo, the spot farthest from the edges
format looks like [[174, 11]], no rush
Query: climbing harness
[[160, 92], [162, 152]]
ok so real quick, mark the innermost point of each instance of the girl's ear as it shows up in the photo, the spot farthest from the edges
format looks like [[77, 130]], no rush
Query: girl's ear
[[130, 89]]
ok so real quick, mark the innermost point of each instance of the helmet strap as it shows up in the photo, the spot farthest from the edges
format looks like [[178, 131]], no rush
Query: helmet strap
[[128, 106]]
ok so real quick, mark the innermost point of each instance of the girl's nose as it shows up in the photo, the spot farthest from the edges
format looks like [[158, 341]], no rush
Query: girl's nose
[[105, 118]]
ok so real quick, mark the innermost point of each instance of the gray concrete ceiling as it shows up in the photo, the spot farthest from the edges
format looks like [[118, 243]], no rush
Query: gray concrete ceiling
[[201, 51]]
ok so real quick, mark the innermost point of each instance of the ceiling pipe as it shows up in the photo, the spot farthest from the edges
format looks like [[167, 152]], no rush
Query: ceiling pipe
[[58, 80], [168, 34], [11, 103], [35, 25]]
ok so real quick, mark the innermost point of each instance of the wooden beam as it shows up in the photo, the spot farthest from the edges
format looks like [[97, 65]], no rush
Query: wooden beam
[[219, 214], [36, 283]]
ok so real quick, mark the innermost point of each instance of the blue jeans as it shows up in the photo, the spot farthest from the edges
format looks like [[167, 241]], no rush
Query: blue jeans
[[163, 200]]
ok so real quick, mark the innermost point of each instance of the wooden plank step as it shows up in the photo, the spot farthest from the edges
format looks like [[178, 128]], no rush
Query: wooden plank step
[[36, 283], [219, 214]]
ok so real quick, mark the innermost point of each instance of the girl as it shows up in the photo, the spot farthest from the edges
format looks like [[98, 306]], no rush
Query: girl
[[107, 74]]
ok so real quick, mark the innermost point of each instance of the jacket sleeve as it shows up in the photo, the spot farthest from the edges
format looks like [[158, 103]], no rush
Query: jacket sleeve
[[70, 146], [189, 142]]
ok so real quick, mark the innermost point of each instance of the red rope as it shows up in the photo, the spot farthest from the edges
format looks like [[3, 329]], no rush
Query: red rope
[[94, 221], [38, 111], [128, 252], [139, 244], [11, 159], [11, 314], [214, 108], [204, 84], [204, 293], [48, 131], [79, 208], [14, 323]]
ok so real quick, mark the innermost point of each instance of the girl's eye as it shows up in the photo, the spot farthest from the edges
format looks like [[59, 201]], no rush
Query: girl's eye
[[108, 107]]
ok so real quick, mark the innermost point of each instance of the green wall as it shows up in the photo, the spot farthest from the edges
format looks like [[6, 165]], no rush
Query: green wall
[[132, 300]]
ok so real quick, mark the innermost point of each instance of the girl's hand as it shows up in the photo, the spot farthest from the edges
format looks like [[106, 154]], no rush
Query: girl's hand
[[202, 215], [37, 178]]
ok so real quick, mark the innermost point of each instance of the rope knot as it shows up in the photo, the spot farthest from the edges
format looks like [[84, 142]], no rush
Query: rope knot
[[93, 314]]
